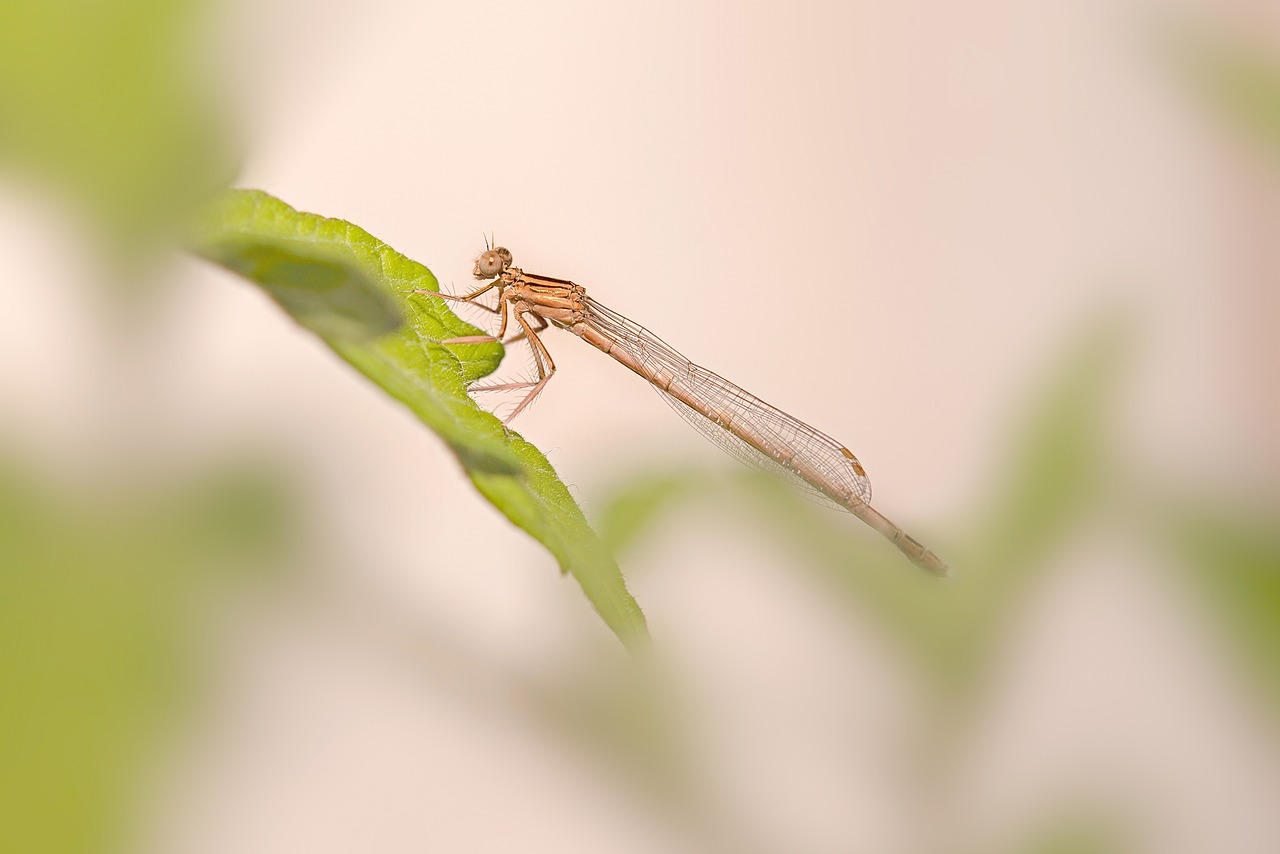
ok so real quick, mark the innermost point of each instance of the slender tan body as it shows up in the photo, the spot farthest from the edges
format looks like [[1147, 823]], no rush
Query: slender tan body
[[565, 304]]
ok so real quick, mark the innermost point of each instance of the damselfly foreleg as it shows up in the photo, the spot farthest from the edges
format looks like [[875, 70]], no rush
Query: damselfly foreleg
[[470, 299]]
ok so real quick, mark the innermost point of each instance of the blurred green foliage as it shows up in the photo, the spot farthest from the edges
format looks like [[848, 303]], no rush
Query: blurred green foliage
[[1078, 835], [1232, 555], [1238, 79], [103, 101], [343, 284], [101, 590], [630, 511], [1232, 551]]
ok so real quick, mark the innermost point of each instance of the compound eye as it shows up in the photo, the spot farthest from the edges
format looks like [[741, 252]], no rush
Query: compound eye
[[491, 263]]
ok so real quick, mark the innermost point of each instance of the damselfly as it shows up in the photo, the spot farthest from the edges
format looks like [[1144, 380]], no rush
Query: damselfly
[[741, 423]]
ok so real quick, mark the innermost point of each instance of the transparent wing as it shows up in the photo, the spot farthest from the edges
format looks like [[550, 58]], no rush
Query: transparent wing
[[838, 466]]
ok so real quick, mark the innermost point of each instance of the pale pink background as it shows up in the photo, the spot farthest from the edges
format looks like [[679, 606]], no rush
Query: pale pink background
[[887, 218]]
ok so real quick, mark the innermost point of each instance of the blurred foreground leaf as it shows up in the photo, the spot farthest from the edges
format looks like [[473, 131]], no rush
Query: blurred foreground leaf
[[1058, 461], [101, 100], [1235, 559], [1079, 835], [635, 507], [1240, 80], [101, 596], [352, 289]]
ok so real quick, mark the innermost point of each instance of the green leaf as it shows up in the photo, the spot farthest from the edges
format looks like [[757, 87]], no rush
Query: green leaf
[[352, 290], [313, 283]]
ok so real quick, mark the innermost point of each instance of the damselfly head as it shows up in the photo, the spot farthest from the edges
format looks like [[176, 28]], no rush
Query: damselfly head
[[492, 262]]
